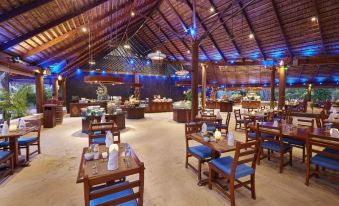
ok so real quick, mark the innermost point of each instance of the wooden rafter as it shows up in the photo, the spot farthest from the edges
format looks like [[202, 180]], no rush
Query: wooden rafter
[[22, 9], [251, 28], [321, 32], [50, 25], [275, 11], [206, 29], [155, 35], [225, 28], [185, 26], [175, 47]]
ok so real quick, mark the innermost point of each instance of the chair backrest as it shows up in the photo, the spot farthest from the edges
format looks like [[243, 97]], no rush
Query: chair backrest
[[276, 131], [209, 119], [237, 114], [245, 153], [35, 123], [96, 187], [108, 124], [116, 137], [316, 144], [306, 123], [192, 127], [228, 118]]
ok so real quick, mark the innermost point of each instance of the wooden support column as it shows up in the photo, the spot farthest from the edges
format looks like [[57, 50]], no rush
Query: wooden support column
[[63, 91], [39, 91], [56, 87], [309, 92], [282, 86], [194, 79], [136, 85], [203, 81], [273, 71]]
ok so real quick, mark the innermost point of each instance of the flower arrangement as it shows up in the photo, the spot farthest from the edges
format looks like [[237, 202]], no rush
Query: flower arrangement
[[188, 95]]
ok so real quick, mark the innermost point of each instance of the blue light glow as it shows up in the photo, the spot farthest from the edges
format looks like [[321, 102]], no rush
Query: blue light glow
[[192, 32], [78, 71], [277, 54], [91, 72], [232, 61], [254, 55], [310, 50], [268, 63], [131, 61], [148, 62]]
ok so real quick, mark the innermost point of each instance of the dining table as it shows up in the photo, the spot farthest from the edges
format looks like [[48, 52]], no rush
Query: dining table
[[98, 167], [13, 136], [218, 118]]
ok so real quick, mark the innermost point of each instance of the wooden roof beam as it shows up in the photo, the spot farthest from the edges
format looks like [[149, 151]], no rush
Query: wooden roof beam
[[275, 11], [225, 28], [212, 63], [297, 61], [22, 9], [321, 32], [206, 29], [146, 26], [175, 47], [251, 28], [50, 25]]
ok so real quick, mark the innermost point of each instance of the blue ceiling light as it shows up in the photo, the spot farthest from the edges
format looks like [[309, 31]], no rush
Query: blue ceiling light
[[232, 61], [131, 61], [320, 83], [192, 32], [78, 70], [148, 62], [304, 83]]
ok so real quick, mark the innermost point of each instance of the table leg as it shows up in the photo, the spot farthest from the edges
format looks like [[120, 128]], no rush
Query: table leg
[[13, 145]]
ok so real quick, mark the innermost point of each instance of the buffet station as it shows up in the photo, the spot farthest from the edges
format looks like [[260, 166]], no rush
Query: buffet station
[[251, 101], [224, 106], [182, 111], [75, 108], [135, 109], [159, 104]]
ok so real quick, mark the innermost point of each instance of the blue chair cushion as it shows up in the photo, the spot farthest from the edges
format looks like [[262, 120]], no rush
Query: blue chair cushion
[[210, 128], [201, 150], [225, 165], [325, 161], [99, 140], [274, 146], [240, 120], [294, 141], [114, 196], [26, 140], [253, 135], [331, 151], [4, 144], [97, 132], [4, 154]]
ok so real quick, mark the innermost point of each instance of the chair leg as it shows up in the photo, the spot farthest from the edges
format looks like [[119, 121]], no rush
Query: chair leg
[[290, 160], [210, 178], [12, 165], [269, 155], [317, 171], [308, 170], [186, 163], [232, 197], [281, 162], [304, 154], [39, 150], [253, 186], [27, 153], [199, 171]]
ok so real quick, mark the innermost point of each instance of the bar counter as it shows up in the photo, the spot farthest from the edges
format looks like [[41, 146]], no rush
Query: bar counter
[[154, 107], [75, 108]]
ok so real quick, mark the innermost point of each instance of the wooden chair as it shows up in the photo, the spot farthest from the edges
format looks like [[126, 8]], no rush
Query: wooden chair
[[225, 126], [275, 145], [249, 134], [234, 169], [101, 137], [201, 153], [238, 120], [211, 122], [309, 123], [326, 150], [26, 142], [98, 191], [209, 112], [7, 156]]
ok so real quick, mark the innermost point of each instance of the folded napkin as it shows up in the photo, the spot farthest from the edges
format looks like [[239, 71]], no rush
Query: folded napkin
[[275, 123], [204, 128], [230, 139], [103, 119], [109, 139], [22, 124], [333, 110], [334, 132], [331, 117], [113, 161], [5, 128]]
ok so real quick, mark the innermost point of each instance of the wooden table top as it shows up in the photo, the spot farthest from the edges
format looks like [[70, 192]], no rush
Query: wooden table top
[[218, 117], [300, 133], [256, 114], [101, 128], [335, 121], [18, 133], [86, 167], [221, 146]]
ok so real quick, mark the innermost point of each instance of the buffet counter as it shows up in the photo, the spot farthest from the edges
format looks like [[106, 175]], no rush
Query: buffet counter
[[223, 106], [75, 108], [248, 104], [119, 119], [182, 115], [154, 107], [135, 112]]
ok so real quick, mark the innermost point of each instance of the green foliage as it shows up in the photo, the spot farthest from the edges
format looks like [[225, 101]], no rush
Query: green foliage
[[321, 94], [188, 95], [48, 93], [296, 93], [14, 105]]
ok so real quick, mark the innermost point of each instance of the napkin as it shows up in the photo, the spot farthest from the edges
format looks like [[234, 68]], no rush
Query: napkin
[[5, 128], [334, 132], [331, 117], [333, 110], [218, 114], [109, 139], [22, 124], [103, 119], [113, 162], [230, 139], [275, 123], [204, 128]]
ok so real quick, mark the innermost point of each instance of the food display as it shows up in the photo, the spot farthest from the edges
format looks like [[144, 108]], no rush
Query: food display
[[182, 105], [182, 111]]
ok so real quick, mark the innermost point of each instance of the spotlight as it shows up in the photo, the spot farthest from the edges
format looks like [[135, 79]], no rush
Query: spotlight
[[127, 46], [188, 51], [251, 36], [84, 29], [132, 13], [212, 9], [91, 62], [314, 19], [59, 77], [281, 63]]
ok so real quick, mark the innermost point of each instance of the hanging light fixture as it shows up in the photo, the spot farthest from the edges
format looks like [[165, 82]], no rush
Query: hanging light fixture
[[91, 60], [182, 72], [158, 55]]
